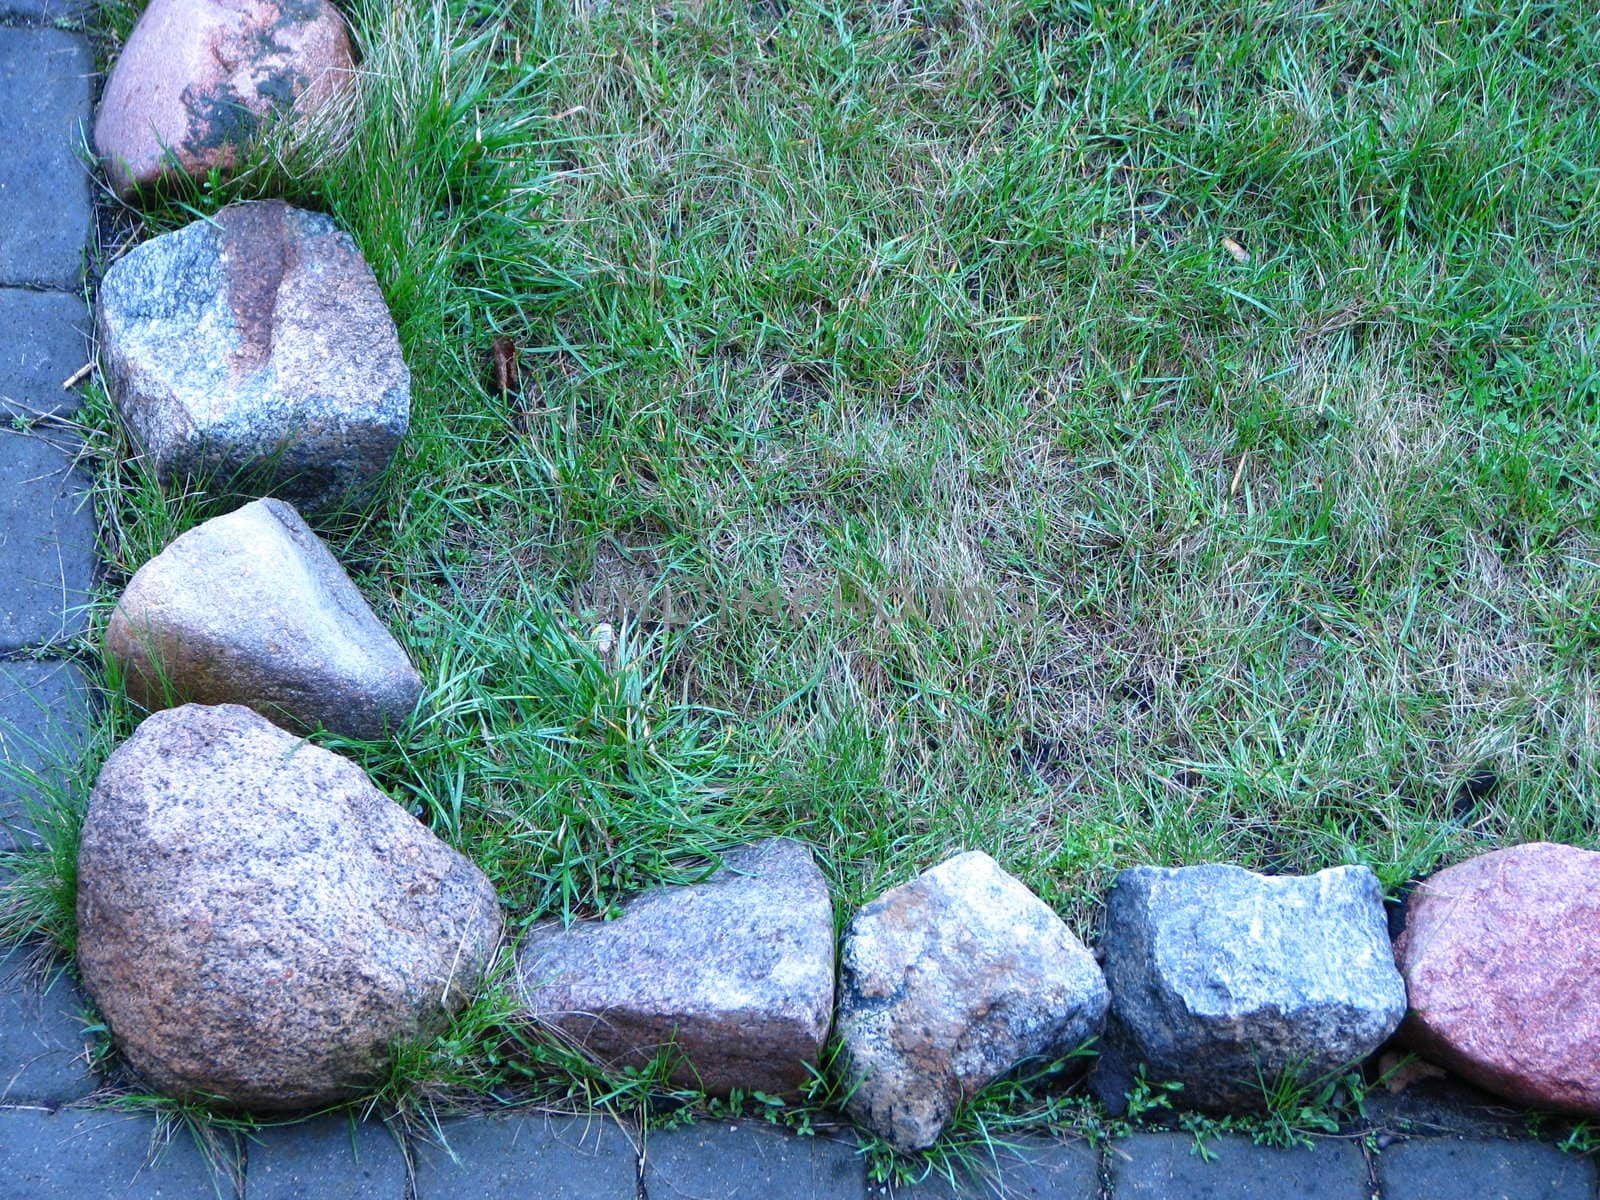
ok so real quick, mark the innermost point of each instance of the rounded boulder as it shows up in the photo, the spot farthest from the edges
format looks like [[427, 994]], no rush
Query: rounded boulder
[[258, 923]]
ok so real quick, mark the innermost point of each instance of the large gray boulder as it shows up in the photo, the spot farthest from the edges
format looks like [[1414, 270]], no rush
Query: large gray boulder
[[949, 982], [1225, 980], [734, 973], [258, 923], [251, 608], [255, 350]]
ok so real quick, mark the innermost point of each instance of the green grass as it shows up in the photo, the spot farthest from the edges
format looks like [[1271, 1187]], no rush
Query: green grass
[[887, 385]]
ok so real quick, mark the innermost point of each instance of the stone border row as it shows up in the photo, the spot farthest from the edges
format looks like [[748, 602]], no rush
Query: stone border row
[[44, 84]]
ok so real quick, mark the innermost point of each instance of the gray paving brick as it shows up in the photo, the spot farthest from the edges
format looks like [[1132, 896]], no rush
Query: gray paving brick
[[723, 1160], [1164, 1166], [43, 1046], [328, 1158], [1029, 1170], [44, 185], [40, 11], [101, 1155], [1482, 1169], [44, 713], [42, 344], [47, 541], [529, 1157]]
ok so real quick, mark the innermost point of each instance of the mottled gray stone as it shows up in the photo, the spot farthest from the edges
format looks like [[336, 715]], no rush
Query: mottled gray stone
[[254, 350], [105, 1155], [197, 81], [744, 1160], [251, 608], [44, 188], [327, 1158], [1483, 1169], [47, 541], [1223, 978], [43, 1047], [949, 982], [532, 1155], [1168, 1166], [258, 923], [1025, 1168], [735, 972], [42, 345], [44, 713]]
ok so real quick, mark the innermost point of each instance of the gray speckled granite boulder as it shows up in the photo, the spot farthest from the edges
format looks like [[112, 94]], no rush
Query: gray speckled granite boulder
[[1223, 978], [736, 973], [949, 982], [255, 349], [251, 608], [258, 923]]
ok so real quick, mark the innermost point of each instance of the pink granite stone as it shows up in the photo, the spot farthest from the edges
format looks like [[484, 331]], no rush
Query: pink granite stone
[[1501, 958], [198, 79]]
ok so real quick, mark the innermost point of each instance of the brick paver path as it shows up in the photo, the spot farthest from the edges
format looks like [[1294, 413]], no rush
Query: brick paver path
[[51, 1147]]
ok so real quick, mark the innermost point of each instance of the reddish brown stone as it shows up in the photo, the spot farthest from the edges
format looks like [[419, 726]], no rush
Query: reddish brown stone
[[1500, 956], [198, 79], [735, 973], [259, 924]]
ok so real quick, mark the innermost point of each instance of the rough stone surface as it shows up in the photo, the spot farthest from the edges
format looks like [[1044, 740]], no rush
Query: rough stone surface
[[44, 710], [1224, 979], [44, 189], [102, 1154], [198, 80], [553, 1158], [43, 346], [950, 981], [47, 541], [257, 922], [735, 972], [251, 608], [733, 1160], [327, 1158], [1024, 1168], [1499, 955], [43, 1047], [254, 350], [1165, 1166], [1483, 1169]]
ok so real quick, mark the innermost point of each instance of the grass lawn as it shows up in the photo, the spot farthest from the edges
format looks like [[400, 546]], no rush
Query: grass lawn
[[1095, 434]]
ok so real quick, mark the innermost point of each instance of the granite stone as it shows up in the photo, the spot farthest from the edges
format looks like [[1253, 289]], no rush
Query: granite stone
[[258, 923], [253, 351], [950, 981], [735, 973], [252, 608], [1224, 979], [1491, 951]]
